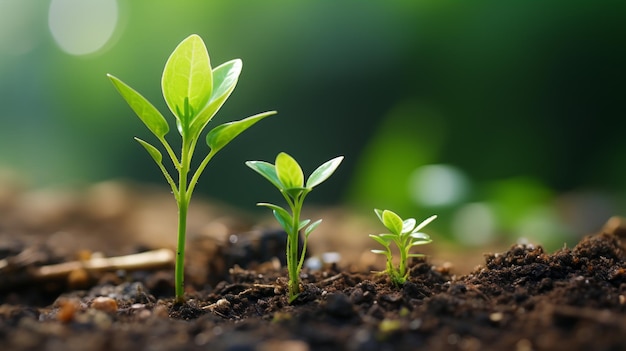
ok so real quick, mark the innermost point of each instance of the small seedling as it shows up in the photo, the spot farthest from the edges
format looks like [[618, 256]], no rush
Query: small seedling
[[194, 92], [288, 177], [405, 234]]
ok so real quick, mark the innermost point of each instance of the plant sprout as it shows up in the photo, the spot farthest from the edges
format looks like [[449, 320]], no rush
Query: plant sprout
[[194, 92], [405, 234], [288, 177]]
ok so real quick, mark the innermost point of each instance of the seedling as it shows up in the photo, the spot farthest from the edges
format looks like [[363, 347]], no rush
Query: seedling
[[288, 177], [194, 92], [405, 234]]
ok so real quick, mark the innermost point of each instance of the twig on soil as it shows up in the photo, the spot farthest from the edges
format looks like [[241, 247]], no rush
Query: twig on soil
[[331, 279], [142, 261]]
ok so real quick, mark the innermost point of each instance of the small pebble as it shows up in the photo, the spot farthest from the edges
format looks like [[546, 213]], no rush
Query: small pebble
[[223, 303], [222, 306], [67, 310], [496, 316], [104, 304]]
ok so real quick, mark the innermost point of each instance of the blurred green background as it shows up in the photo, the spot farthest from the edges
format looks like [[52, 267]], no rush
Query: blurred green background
[[503, 117]]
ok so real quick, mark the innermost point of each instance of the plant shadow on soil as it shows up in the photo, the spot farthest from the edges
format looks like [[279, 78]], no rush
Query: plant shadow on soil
[[522, 299]]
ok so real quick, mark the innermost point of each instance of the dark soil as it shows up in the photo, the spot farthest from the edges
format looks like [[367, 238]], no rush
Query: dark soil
[[522, 299]]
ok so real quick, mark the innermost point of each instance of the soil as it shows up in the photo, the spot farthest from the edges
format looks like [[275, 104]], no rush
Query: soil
[[521, 299]]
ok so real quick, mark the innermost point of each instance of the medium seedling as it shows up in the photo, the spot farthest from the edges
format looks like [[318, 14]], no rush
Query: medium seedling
[[194, 92], [287, 176], [405, 234]]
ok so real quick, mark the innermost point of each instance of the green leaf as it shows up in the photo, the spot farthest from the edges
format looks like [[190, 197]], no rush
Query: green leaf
[[420, 236], [225, 79], [148, 114], [408, 225], [381, 252], [388, 237], [289, 171], [380, 240], [283, 221], [154, 152], [223, 134], [303, 223], [323, 172], [424, 223], [379, 214], [282, 216], [419, 239], [187, 75], [312, 227], [267, 170], [392, 221], [416, 243]]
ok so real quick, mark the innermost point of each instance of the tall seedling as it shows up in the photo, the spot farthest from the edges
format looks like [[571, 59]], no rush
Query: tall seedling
[[194, 92]]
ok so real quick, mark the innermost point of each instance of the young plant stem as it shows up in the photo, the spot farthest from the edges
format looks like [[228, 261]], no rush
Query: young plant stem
[[184, 197], [183, 205], [179, 273], [402, 276], [294, 263], [292, 249]]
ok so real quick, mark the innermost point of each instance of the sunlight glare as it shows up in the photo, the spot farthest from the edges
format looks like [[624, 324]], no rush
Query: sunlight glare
[[82, 27]]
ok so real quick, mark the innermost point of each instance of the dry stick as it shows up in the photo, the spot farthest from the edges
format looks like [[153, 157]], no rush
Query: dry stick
[[331, 279], [144, 260]]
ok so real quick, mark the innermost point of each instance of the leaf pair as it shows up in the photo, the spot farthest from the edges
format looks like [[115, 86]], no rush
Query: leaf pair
[[287, 175]]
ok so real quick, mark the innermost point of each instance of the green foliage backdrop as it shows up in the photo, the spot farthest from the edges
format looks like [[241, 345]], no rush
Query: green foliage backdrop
[[506, 92]]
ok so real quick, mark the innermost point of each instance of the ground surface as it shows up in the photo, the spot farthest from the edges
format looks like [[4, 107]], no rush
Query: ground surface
[[522, 299]]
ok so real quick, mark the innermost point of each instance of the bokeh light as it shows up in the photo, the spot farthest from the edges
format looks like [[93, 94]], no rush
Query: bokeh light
[[82, 27], [474, 224], [18, 27], [438, 185]]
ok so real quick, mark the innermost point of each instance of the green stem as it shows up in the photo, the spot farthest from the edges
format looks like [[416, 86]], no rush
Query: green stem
[[292, 249], [402, 267], [184, 197], [179, 274]]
